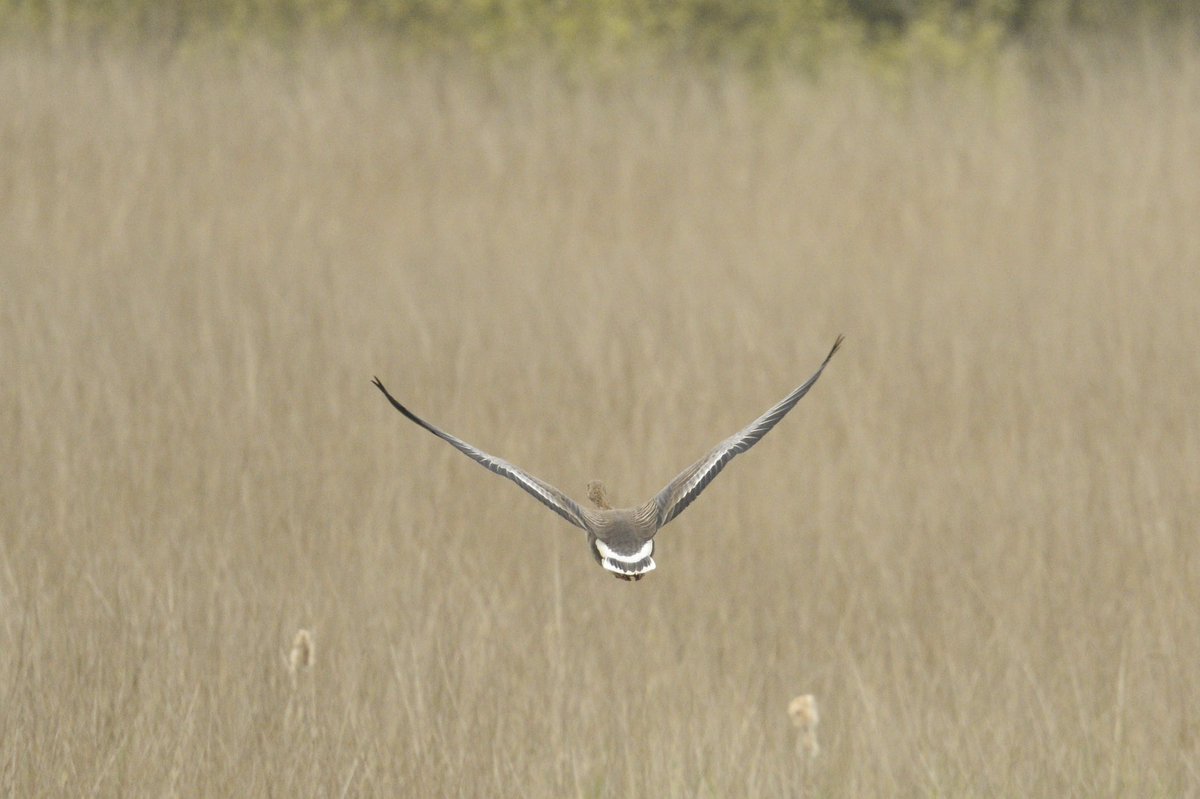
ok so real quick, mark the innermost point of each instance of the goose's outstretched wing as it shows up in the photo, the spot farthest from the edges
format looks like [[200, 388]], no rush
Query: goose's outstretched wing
[[680, 492], [545, 493]]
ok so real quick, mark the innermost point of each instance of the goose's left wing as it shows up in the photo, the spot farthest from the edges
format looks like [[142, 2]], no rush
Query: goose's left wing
[[542, 491]]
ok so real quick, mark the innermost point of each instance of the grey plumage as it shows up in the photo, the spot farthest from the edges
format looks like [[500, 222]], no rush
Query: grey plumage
[[622, 539]]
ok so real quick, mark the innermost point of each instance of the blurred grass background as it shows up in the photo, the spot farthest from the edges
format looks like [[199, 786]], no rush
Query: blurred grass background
[[974, 541]]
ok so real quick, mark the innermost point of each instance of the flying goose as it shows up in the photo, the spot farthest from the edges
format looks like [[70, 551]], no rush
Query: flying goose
[[622, 539]]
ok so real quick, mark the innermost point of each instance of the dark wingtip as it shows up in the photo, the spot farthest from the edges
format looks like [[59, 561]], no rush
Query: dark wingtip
[[375, 381], [395, 402], [836, 345]]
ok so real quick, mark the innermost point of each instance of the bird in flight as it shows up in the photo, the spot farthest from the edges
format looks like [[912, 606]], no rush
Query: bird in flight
[[622, 539]]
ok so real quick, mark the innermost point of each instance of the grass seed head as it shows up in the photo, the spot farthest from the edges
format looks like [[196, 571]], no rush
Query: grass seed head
[[303, 652], [803, 710]]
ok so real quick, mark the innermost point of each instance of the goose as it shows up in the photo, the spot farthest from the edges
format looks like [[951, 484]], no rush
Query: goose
[[622, 539]]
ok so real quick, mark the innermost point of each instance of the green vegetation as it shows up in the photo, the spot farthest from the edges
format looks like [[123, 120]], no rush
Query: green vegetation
[[755, 33]]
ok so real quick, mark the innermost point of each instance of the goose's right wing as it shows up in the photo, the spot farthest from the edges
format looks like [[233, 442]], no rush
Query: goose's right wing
[[680, 492], [542, 491]]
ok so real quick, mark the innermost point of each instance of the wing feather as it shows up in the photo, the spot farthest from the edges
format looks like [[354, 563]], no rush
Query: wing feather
[[542, 491], [681, 491]]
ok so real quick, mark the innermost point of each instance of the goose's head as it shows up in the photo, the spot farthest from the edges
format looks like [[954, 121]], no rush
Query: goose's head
[[598, 495]]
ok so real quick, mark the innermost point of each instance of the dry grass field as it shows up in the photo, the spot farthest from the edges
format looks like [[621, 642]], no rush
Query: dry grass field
[[975, 541]]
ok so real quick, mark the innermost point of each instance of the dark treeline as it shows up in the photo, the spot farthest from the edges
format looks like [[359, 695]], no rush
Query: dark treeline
[[754, 31]]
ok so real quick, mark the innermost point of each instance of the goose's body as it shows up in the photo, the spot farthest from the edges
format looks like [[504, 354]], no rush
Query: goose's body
[[622, 539]]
